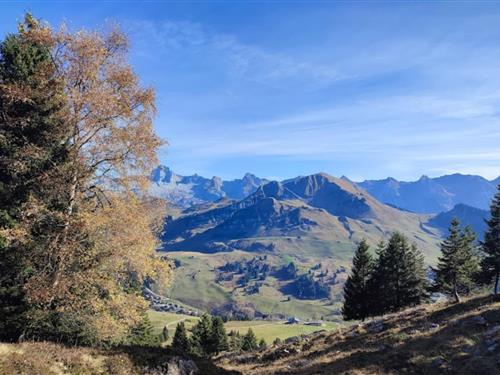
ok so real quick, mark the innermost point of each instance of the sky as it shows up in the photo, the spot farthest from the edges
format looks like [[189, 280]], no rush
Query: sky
[[365, 89]]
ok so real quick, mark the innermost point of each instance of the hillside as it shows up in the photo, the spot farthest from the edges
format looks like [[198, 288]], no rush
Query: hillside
[[312, 221], [317, 207], [44, 358], [430, 339], [433, 195], [467, 215]]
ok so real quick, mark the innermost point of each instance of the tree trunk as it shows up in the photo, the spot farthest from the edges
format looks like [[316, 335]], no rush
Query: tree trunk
[[455, 294], [495, 292], [69, 213]]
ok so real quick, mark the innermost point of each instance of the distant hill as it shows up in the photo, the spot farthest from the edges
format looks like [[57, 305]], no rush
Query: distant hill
[[433, 195], [319, 207], [185, 191], [467, 215]]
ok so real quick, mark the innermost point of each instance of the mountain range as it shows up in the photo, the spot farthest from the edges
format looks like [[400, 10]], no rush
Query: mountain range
[[313, 221], [319, 208], [185, 191], [426, 195], [433, 195]]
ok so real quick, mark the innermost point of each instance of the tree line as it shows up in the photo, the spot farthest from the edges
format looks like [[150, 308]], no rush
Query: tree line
[[77, 235], [209, 337], [397, 277]]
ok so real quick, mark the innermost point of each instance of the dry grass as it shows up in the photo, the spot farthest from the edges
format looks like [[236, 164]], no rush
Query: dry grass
[[44, 358], [432, 339]]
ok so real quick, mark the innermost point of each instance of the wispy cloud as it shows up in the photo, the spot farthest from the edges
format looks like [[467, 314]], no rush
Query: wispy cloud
[[245, 60]]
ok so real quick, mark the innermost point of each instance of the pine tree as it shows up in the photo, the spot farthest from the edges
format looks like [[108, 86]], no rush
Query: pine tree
[[356, 288], [399, 277], [458, 263], [491, 246], [201, 336], [181, 343], [249, 341], [218, 336]]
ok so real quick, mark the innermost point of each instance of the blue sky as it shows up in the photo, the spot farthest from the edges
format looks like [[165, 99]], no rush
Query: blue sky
[[365, 89]]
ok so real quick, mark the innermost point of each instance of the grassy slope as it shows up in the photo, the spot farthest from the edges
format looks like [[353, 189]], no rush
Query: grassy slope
[[410, 342], [194, 282], [44, 358], [272, 330], [268, 330]]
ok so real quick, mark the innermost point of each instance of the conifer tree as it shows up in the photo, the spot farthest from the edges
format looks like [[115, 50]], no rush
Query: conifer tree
[[356, 288], [235, 341], [218, 336], [33, 154], [458, 263], [399, 277], [249, 341], [143, 334], [181, 343], [491, 246], [201, 338]]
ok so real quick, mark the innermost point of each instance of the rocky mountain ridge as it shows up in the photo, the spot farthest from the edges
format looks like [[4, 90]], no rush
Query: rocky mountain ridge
[[433, 195], [186, 191], [319, 207], [426, 195]]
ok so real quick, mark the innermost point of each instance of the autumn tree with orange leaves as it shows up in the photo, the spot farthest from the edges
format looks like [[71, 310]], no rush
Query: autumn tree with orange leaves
[[82, 234]]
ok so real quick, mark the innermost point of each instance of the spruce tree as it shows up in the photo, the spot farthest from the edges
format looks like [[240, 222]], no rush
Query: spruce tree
[[399, 277], [33, 152], [218, 336], [491, 246], [458, 263], [201, 336], [356, 288], [249, 341], [235, 341], [181, 343], [143, 334]]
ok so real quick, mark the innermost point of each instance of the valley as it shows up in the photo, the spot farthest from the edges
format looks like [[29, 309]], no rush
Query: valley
[[311, 222]]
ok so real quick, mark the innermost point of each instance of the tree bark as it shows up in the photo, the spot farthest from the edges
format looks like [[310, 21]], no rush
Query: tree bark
[[455, 294]]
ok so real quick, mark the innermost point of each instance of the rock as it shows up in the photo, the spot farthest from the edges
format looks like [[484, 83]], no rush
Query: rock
[[182, 367], [439, 361], [292, 340], [375, 326]]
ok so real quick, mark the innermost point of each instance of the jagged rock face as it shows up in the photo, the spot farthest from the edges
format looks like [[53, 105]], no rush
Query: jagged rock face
[[433, 195], [317, 207], [337, 196], [185, 191]]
